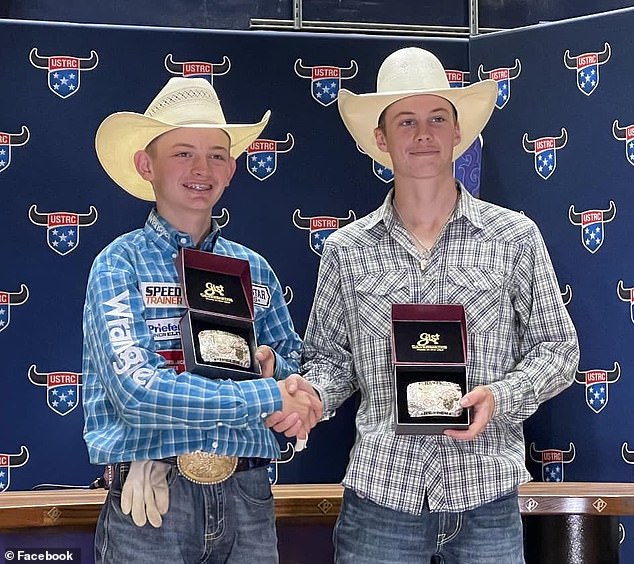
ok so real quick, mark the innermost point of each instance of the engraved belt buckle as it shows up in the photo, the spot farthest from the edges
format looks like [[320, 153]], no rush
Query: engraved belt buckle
[[224, 346], [434, 398], [206, 468]]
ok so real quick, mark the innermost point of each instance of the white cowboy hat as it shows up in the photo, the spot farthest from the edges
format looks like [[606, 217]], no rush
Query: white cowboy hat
[[409, 72], [182, 102]]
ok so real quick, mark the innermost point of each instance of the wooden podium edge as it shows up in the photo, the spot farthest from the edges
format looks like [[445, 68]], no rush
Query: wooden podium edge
[[310, 502]]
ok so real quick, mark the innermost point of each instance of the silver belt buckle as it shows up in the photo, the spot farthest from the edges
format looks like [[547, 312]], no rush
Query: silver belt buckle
[[434, 398], [224, 346]]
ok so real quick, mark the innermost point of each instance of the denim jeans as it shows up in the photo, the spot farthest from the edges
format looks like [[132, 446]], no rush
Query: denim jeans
[[367, 533], [211, 524]]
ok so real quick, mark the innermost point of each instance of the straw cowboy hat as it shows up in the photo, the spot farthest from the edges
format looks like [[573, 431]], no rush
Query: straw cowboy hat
[[182, 102], [409, 72]]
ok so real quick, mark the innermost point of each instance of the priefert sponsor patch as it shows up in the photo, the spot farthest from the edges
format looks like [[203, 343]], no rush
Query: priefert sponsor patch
[[164, 329]]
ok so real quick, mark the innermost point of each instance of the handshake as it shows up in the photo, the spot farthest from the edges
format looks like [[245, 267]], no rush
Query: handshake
[[301, 405], [145, 493], [301, 410]]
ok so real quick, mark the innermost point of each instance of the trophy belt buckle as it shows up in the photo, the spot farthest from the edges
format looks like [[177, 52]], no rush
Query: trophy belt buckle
[[225, 347], [434, 398], [206, 468]]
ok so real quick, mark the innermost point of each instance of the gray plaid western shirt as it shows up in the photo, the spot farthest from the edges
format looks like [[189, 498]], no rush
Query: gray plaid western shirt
[[521, 343]]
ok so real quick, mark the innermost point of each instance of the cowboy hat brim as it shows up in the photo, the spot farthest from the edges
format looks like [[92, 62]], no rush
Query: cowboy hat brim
[[122, 134], [360, 113]]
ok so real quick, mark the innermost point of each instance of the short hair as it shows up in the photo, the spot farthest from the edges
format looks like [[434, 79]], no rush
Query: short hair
[[150, 148], [381, 122]]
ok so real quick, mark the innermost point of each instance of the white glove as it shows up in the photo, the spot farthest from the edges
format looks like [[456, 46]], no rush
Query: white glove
[[145, 492]]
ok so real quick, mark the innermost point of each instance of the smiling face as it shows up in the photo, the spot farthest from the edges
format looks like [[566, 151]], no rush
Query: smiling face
[[189, 170], [420, 133]]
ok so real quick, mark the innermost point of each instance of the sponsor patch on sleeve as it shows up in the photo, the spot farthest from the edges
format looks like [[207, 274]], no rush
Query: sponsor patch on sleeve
[[174, 359], [261, 295], [164, 329]]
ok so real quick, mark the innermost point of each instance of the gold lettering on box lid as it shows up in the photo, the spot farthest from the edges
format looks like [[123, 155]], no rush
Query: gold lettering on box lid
[[429, 343], [215, 293]]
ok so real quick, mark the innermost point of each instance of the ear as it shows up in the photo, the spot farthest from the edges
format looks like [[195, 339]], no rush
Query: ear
[[381, 139], [232, 170], [143, 165], [457, 136]]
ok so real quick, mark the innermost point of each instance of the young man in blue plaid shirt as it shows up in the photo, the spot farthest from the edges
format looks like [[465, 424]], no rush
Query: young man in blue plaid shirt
[[141, 413]]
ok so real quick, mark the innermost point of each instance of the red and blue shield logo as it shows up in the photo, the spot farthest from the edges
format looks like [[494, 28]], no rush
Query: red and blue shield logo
[[596, 390], [5, 151], [62, 389], [325, 84], [325, 79], [63, 76], [262, 159], [552, 466], [587, 68], [503, 77], [62, 392]]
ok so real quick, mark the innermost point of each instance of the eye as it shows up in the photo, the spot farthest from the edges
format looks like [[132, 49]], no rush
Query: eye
[[183, 154], [438, 119], [218, 157], [407, 122]]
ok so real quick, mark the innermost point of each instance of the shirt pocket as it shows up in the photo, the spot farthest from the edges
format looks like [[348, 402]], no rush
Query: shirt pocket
[[480, 292], [375, 294]]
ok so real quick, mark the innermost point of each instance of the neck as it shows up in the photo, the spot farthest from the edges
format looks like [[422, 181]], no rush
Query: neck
[[197, 226], [425, 207]]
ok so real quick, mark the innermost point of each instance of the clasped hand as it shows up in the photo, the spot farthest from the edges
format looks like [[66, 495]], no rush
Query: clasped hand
[[301, 411]]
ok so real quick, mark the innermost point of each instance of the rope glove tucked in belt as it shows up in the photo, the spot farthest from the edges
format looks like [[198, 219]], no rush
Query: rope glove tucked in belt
[[145, 492]]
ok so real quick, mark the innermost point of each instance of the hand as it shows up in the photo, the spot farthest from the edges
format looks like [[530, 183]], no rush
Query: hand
[[301, 411], [481, 400], [266, 357], [145, 492]]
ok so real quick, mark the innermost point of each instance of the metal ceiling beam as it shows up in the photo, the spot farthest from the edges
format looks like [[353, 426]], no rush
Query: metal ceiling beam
[[364, 27], [299, 24]]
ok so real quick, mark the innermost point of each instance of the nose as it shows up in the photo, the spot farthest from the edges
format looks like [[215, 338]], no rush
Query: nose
[[200, 165], [422, 132]]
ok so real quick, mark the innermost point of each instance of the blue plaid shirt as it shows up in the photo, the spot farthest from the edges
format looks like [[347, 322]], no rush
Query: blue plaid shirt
[[136, 407]]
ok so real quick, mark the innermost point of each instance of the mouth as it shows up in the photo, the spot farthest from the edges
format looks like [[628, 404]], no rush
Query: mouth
[[424, 152], [198, 187]]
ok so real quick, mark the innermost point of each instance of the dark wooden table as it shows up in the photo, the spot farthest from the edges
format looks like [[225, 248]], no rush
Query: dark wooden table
[[570, 522]]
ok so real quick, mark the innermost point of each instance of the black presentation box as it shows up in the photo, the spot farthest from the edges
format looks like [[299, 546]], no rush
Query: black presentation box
[[219, 297], [429, 355]]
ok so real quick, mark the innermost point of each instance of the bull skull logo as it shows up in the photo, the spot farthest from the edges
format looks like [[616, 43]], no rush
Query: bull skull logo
[[64, 72], [198, 69]]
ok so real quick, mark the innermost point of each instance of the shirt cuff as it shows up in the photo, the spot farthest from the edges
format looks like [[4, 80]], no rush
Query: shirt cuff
[[262, 397], [503, 397]]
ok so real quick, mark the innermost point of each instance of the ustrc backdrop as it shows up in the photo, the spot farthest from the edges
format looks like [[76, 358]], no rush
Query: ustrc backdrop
[[560, 147], [302, 180]]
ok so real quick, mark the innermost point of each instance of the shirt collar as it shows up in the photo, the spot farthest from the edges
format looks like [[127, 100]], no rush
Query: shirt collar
[[159, 230], [467, 207]]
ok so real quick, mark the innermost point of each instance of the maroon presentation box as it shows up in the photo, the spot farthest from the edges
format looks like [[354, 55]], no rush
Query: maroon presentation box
[[218, 295], [429, 356]]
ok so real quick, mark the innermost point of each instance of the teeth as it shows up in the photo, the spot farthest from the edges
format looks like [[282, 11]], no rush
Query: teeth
[[199, 186]]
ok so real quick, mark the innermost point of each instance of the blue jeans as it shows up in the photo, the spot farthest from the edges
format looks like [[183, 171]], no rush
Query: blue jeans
[[222, 523], [367, 533]]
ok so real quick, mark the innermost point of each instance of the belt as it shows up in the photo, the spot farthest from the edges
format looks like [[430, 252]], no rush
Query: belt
[[206, 468]]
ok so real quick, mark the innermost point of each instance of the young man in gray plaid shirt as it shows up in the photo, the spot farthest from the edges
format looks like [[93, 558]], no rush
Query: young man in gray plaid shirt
[[450, 497]]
